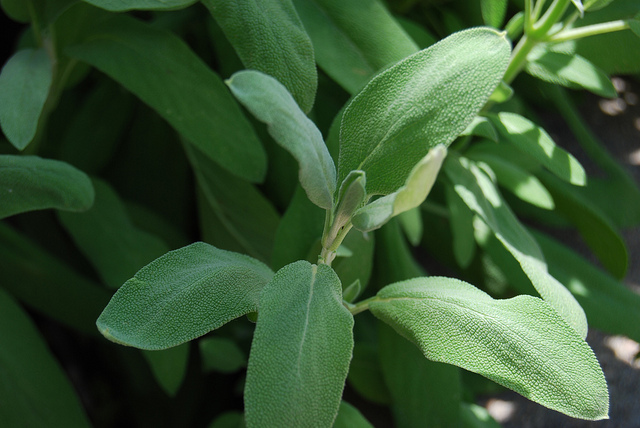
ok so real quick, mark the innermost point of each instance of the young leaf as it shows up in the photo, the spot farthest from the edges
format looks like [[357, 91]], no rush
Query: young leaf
[[24, 86], [568, 70], [356, 268], [579, 6], [535, 142], [521, 343], [34, 390], [105, 235], [481, 127], [260, 32], [182, 295], [221, 355], [412, 194], [301, 349], [29, 183], [353, 39], [350, 417], [272, 104], [123, 5], [481, 196], [493, 12], [169, 366], [162, 71], [420, 102]]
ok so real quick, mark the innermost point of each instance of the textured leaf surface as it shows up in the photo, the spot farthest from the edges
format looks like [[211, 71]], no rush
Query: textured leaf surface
[[164, 73], [122, 5], [424, 100], [29, 183], [535, 142], [34, 390], [24, 86], [272, 104], [301, 350], [479, 193], [182, 295], [521, 343], [269, 37], [350, 417], [353, 39]]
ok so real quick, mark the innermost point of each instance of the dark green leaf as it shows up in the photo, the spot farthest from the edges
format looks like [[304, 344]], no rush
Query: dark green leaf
[[365, 375], [493, 12], [29, 183], [169, 366], [221, 355], [269, 29], [461, 220], [18, 10], [592, 5], [34, 390], [521, 343], [162, 71], [122, 5], [301, 349], [182, 295], [350, 417], [425, 100], [24, 87], [481, 127], [475, 416], [229, 420], [412, 225]]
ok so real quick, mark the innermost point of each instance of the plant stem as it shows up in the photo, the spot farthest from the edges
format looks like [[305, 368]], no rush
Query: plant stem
[[519, 58], [540, 29], [361, 306], [589, 30]]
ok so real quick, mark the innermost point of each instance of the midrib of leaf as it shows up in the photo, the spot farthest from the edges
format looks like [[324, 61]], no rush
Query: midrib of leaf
[[314, 271]]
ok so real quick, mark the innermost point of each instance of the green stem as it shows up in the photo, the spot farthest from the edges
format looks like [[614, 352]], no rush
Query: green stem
[[589, 30], [541, 28], [537, 10], [519, 58], [361, 306]]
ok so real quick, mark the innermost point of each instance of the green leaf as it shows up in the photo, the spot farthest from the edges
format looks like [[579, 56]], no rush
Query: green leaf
[[420, 102], [301, 349], [493, 12], [350, 417], [228, 420], [260, 32], [18, 10], [234, 214], [579, 6], [201, 284], [29, 183], [572, 71], [412, 225], [272, 104], [163, 72], [24, 87], [593, 5], [123, 5], [105, 235], [357, 267], [221, 355], [535, 142], [481, 127], [610, 305], [634, 25], [169, 366], [411, 195], [521, 343], [34, 390], [461, 220], [475, 416], [481, 196], [353, 39], [365, 375]]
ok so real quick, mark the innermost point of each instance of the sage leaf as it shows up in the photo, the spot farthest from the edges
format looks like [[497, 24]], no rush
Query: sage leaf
[[29, 183], [124, 5], [169, 366], [481, 127], [412, 194], [24, 87], [107, 237], [493, 12], [221, 355], [271, 103], [301, 349], [535, 142], [260, 32], [359, 266], [350, 417], [481, 196], [353, 39], [163, 72], [34, 389], [426, 99], [412, 225], [521, 343], [461, 223], [365, 375], [183, 295]]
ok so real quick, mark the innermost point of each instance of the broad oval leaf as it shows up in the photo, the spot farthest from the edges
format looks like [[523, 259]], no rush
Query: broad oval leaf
[[269, 29], [272, 104], [29, 183], [122, 5], [24, 87], [521, 343], [163, 72], [424, 100], [301, 350], [182, 295]]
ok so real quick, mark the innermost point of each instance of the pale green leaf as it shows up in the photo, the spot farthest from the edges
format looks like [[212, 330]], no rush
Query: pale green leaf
[[353, 39], [521, 343], [481, 127], [105, 235], [420, 102], [412, 225], [350, 417], [411, 195], [169, 366], [482, 197], [535, 142], [352, 291], [162, 71], [493, 12], [183, 295], [222, 355], [29, 183], [272, 104], [24, 87], [122, 5], [34, 390], [503, 93], [358, 267], [269, 29], [301, 350]]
